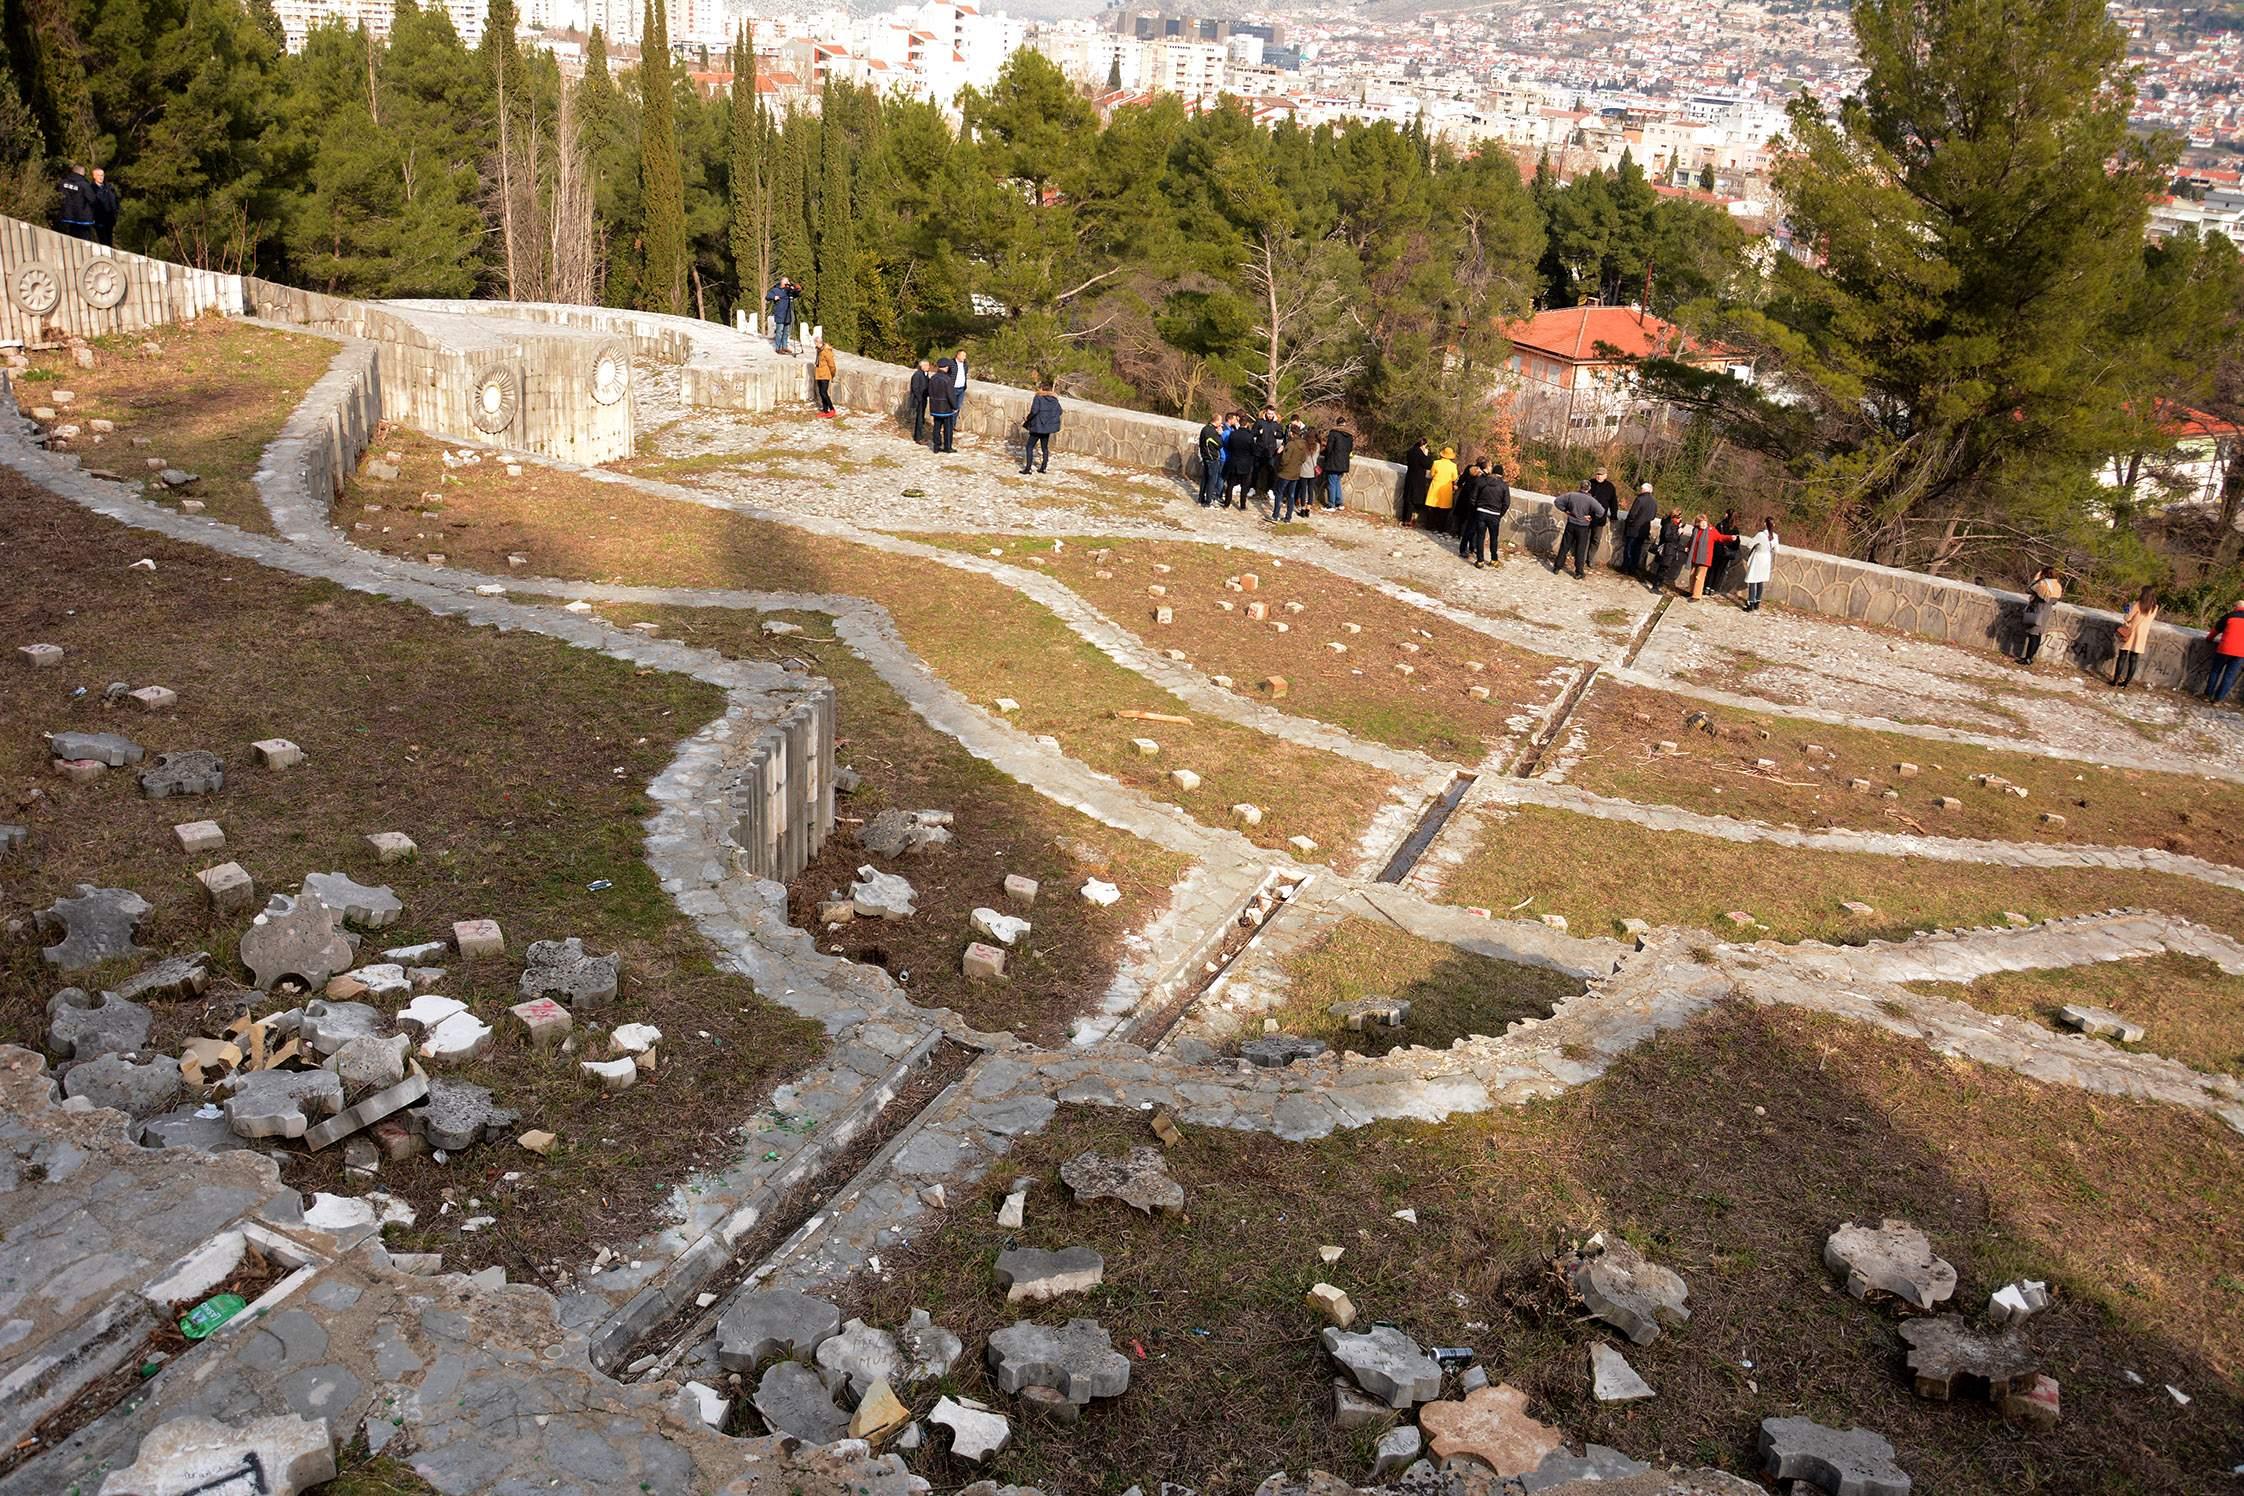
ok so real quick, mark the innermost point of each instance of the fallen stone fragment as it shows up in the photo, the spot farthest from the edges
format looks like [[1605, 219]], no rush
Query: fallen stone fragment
[[929, 1350], [894, 832], [281, 1103], [1944, 1350], [1353, 1408], [1854, 1463], [196, 838], [1622, 1287], [879, 1415], [113, 1080], [1077, 1360], [92, 926], [879, 895], [187, 1127], [983, 963], [858, 1358], [1021, 890], [1140, 1179], [172, 979], [1033, 1276], [192, 771], [460, 1115], [277, 753], [102, 747], [294, 938], [478, 939], [544, 1020], [2037, 1403], [2099, 1023], [1332, 1303], [84, 1025], [355, 903], [1372, 1012], [765, 1323], [1011, 1211], [384, 1103], [391, 846], [560, 968], [978, 1434], [328, 1025], [1276, 1051], [40, 656], [1612, 1379], [1004, 929], [370, 1062], [280, 1455], [1490, 1425], [1385, 1363], [1893, 1258], [792, 1400], [613, 1075], [227, 888], [706, 1403], [2015, 1303], [1097, 891], [1395, 1451]]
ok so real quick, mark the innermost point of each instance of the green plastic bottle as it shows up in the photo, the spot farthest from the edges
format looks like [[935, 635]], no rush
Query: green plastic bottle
[[210, 1314]]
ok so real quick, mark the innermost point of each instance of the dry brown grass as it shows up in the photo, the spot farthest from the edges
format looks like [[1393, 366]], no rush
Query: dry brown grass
[[516, 763], [982, 637], [209, 400], [1727, 1152], [2189, 1010], [1453, 993], [1716, 773]]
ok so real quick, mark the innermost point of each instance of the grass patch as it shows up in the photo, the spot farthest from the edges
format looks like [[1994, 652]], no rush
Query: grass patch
[[985, 639], [2191, 1011], [1063, 967], [1715, 774], [1728, 1152], [517, 763], [1453, 993], [210, 398], [1361, 690], [1598, 872]]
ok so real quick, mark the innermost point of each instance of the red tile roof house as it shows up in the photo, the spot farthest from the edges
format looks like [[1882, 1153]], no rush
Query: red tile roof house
[[1575, 370]]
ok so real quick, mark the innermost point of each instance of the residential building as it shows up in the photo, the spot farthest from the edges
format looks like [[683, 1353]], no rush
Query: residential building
[[1575, 371]]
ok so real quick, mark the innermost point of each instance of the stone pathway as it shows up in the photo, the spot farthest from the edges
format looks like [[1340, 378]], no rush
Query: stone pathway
[[535, 1401]]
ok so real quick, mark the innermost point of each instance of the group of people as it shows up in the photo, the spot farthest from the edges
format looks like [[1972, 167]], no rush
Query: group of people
[[1293, 468], [938, 394], [87, 206]]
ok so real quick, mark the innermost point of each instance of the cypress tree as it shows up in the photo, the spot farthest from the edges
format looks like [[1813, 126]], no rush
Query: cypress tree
[[790, 208], [1114, 72], [751, 193], [837, 235], [661, 178]]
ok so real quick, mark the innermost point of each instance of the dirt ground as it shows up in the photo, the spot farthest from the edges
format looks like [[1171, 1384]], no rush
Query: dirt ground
[[516, 763], [1453, 994], [1727, 1152]]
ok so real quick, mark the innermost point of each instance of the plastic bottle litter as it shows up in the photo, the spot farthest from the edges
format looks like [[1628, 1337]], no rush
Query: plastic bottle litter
[[210, 1314]]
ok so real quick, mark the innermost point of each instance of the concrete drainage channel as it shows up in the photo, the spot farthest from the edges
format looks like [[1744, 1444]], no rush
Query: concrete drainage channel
[[1429, 826], [1531, 755], [668, 1316], [1214, 958]]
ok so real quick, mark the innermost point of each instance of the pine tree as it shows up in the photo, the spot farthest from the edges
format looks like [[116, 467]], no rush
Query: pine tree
[[751, 192], [661, 178], [837, 233]]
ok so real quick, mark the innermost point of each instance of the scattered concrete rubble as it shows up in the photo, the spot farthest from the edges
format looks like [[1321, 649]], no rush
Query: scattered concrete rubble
[[2015, 1303], [273, 1456], [1856, 1462], [1140, 1179], [92, 926], [773, 1322], [1612, 1379], [1276, 1051], [1893, 1258], [879, 895], [1385, 1363], [84, 1025], [2100, 1023], [1030, 1275], [295, 939], [978, 1434], [561, 969], [1944, 1350], [192, 771], [1628, 1291]]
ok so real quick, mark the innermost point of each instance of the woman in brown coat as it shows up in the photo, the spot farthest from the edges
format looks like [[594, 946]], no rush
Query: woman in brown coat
[[822, 374], [2134, 633]]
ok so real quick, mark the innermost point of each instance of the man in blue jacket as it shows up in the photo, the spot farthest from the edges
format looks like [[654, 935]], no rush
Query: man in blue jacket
[[1043, 424], [781, 299]]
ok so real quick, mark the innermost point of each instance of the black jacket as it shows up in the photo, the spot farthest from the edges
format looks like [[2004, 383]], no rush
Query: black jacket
[[1238, 450], [1211, 445], [1641, 513], [1495, 496], [105, 205], [1339, 447], [1602, 490], [1269, 440], [921, 379], [1043, 416], [77, 199], [942, 395]]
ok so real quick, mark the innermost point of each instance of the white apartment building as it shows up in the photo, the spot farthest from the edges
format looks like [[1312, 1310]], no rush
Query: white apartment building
[[1192, 70]]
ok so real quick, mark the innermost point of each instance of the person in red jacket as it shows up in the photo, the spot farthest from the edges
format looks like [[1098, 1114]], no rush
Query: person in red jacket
[[2227, 639], [1704, 538]]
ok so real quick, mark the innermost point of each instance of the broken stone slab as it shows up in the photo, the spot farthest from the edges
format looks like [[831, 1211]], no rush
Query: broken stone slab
[[192, 771], [560, 968], [1372, 1012], [355, 903], [929, 1350], [460, 1115], [385, 980], [1101, 894], [1385, 1363], [101, 747], [294, 937], [1856, 1462], [1077, 1360], [1334, 1304], [1030, 1275], [1592, 1472], [369, 1062], [1005, 929], [1353, 1408], [281, 1103], [792, 1400], [279, 1455], [2038, 1403], [2099, 1023], [773, 1322], [1628, 1291], [1276, 1051], [478, 939], [329, 1025], [173, 979], [879, 1415], [113, 1080], [1140, 1179], [614, 1075], [879, 895], [1612, 1379], [188, 1127], [634, 1039], [2015, 1303], [449, 1033], [544, 1020], [386, 1102], [1395, 1451], [1944, 1350], [1892, 1257], [84, 1025], [978, 1434], [92, 926], [858, 1357], [893, 832], [1490, 1425]]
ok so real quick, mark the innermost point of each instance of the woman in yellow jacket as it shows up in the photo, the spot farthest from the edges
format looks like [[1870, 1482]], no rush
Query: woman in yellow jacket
[[1441, 491], [822, 375]]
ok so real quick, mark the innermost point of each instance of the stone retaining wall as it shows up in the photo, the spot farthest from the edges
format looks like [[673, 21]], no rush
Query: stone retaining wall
[[57, 287], [319, 446]]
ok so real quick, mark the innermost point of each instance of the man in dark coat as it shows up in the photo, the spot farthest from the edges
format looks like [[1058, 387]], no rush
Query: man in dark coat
[[1042, 425], [1636, 530], [942, 404], [1340, 447], [1418, 476], [1209, 448], [1608, 496], [74, 213], [1238, 460], [1484, 522], [105, 206], [1269, 439], [921, 377], [1580, 511], [781, 299]]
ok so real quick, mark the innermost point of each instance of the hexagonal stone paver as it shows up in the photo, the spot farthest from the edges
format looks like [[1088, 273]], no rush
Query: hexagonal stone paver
[[1077, 1360], [102, 747], [459, 1115], [1856, 1462]]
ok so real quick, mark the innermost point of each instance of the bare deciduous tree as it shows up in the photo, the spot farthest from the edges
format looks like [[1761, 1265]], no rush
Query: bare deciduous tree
[[1308, 333]]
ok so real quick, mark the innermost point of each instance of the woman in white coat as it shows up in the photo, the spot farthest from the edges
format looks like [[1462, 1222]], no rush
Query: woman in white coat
[[1760, 558]]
